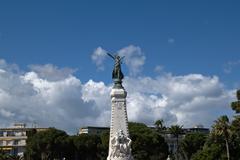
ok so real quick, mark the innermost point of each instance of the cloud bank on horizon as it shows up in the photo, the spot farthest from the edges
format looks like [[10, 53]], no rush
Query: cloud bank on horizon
[[52, 96]]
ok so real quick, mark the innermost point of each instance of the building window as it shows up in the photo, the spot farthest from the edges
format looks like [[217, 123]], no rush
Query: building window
[[10, 133], [16, 142]]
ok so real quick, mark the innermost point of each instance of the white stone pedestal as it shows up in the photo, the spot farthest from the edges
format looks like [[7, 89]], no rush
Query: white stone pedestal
[[119, 141]]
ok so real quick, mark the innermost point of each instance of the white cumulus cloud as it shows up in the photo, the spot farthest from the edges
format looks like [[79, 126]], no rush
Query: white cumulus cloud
[[52, 96], [56, 100], [134, 58], [98, 57], [187, 100], [51, 72]]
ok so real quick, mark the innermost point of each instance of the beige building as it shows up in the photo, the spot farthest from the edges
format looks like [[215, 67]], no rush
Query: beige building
[[93, 130], [13, 139]]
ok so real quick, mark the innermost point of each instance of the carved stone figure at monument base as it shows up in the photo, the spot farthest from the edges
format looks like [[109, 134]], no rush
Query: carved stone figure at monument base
[[121, 145]]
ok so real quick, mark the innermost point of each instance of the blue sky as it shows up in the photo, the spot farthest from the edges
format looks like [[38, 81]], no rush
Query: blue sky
[[190, 43], [183, 36]]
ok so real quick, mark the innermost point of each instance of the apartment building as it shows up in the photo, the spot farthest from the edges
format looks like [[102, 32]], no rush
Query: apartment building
[[13, 139]]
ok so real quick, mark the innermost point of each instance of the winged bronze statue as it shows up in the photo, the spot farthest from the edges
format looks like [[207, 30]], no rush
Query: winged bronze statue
[[117, 72]]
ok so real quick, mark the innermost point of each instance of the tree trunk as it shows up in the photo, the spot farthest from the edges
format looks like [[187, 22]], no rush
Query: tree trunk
[[177, 147], [227, 148]]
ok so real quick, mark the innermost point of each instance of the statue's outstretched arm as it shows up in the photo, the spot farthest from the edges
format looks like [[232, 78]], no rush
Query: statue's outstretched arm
[[110, 55]]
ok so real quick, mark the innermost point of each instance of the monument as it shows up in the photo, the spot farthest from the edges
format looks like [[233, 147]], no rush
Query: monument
[[119, 141]]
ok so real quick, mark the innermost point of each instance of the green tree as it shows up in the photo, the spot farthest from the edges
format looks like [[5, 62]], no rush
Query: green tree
[[236, 105], [147, 143], [176, 130], [103, 148], [46, 145], [224, 136], [235, 138], [4, 156], [235, 127], [218, 141], [222, 129], [211, 151], [191, 143], [159, 124], [86, 146]]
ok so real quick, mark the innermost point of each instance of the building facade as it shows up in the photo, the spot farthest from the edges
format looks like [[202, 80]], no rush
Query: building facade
[[13, 139], [93, 130]]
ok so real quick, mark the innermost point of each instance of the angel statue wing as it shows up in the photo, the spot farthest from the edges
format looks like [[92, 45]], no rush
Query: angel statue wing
[[110, 55]]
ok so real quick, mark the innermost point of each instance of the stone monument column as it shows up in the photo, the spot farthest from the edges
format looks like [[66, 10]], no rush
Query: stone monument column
[[119, 141]]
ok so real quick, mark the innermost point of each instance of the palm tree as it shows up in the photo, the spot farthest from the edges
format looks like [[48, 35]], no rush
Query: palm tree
[[159, 124], [222, 128], [236, 125], [176, 130], [236, 105]]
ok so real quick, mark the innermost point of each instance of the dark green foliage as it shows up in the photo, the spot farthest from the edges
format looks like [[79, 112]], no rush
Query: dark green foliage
[[147, 143], [215, 146], [103, 148], [238, 95], [56, 144], [236, 105], [235, 137], [47, 145], [211, 152], [191, 143], [86, 147], [159, 124], [9, 157], [176, 131], [53, 143], [224, 141]]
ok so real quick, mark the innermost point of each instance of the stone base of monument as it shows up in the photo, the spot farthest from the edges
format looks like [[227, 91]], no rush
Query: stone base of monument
[[121, 158], [119, 141]]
